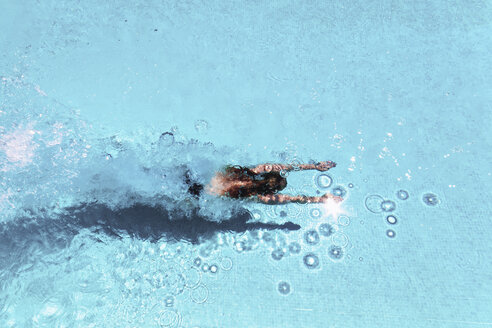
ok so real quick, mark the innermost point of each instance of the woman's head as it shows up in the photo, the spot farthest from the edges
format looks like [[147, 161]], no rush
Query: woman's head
[[262, 184], [275, 181]]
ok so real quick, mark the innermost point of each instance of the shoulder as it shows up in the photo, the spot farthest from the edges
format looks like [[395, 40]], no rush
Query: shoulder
[[239, 170]]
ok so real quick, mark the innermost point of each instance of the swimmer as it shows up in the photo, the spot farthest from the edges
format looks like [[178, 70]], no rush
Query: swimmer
[[260, 183]]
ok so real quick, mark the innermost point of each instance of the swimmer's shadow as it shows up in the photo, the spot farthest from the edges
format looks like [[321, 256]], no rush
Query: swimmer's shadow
[[153, 223]]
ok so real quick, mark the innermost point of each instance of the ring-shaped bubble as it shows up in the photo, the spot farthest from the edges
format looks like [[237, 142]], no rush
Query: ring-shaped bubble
[[311, 261], [335, 252], [373, 203], [278, 254], [402, 194], [192, 277], [326, 229], [294, 247], [293, 210], [311, 237], [343, 220], [169, 301], [388, 205], [199, 295], [391, 219], [390, 233], [169, 318], [323, 181], [283, 288], [166, 139], [339, 191], [315, 213], [226, 263], [213, 268], [339, 239], [430, 199]]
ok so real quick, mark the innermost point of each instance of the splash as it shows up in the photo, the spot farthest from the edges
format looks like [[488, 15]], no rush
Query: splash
[[51, 160]]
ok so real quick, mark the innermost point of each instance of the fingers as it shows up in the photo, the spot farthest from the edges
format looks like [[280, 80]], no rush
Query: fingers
[[337, 199], [325, 166]]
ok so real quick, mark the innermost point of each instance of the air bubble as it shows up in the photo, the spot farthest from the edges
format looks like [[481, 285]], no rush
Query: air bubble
[[388, 206], [350, 185], [326, 229], [214, 268], [192, 277], [390, 233], [343, 220], [402, 194], [205, 267], [373, 203], [169, 318], [294, 248], [315, 213], [339, 191], [293, 210], [226, 263], [200, 294], [283, 288], [323, 181], [197, 262], [277, 254], [201, 126], [311, 237], [430, 199], [335, 252], [166, 139], [311, 261], [340, 239], [169, 301], [391, 219]]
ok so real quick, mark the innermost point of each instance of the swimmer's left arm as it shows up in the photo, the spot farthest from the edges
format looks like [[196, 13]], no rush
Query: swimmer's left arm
[[267, 167]]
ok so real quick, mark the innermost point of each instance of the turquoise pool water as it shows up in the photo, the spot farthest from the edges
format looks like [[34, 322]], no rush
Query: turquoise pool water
[[104, 106]]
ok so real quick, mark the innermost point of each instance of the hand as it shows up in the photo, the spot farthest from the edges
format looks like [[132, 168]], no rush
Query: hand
[[327, 196], [325, 166]]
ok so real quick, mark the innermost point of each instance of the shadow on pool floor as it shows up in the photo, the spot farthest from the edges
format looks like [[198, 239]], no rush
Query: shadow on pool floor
[[26, 235], [148, 222]]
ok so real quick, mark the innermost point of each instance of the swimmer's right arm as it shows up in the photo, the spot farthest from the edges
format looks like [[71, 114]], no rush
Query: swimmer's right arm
[[268, 167], [276, 199]]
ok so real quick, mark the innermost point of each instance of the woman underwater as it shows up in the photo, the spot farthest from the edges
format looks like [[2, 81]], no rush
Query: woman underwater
[[260, 183]]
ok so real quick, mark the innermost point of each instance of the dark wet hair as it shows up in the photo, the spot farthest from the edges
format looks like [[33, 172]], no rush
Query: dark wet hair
[[262, 183]]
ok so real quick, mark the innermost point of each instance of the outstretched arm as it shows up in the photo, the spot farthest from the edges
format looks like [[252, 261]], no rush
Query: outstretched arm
[[267, 167], [276, 199]]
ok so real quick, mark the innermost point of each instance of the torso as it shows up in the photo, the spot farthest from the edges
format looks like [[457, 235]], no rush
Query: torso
[[220, 185]]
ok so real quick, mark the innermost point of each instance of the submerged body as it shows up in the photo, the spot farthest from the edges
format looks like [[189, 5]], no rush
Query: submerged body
[[260, 183]]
